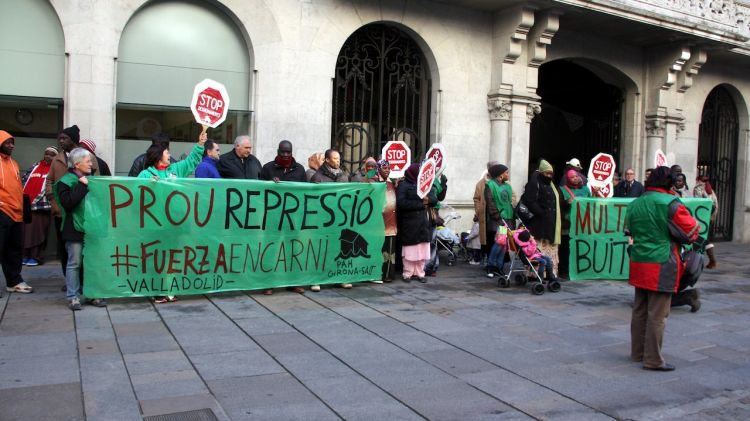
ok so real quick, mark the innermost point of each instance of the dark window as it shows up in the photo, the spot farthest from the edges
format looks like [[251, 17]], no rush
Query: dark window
[[31, 116]]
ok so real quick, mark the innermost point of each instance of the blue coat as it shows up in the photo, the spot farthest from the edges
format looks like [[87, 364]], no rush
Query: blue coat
[[207, 168]]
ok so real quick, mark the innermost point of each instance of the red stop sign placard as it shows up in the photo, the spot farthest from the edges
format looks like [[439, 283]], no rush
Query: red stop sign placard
[[437, 152], [660, 159], [210, 103], [601, 169], [426, 177], [398, 155]]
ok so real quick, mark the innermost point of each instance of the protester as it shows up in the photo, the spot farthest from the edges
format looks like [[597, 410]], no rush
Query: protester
[[11, 217], [498, 195], [647, 173], [35, 232], [573, 164], [704, 189], [544, 200], [71, 191], [138, 166], [473, 245], [368, 173], [284, 168], [679, 185], [413, 225], [383, 170], [658, 223], [90, 146], [440, 187], [313, 164], [68, 139], [629, 187], [207, 167], [159, 167], [239, 163], [480, 209], [573, 188], [330, 172]]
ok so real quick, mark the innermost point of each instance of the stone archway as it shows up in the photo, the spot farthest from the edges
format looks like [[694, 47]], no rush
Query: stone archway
[[381, 91], [581, 115]]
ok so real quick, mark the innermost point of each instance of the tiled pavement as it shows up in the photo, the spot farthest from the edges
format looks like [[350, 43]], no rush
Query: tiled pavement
[[456, 348]]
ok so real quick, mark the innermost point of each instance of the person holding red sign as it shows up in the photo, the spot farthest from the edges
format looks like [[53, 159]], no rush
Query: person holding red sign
[[414, 229]]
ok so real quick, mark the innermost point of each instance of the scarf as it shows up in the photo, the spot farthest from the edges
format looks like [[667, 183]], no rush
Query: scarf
[[284, 162], [36, 179]]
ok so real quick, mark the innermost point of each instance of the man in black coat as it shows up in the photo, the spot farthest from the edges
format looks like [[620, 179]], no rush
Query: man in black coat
[[629, 187], [284, 167], [239, 162]]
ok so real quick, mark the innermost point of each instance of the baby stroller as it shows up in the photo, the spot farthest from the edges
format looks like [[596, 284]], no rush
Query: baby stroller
[[522, 268], [448, 242]]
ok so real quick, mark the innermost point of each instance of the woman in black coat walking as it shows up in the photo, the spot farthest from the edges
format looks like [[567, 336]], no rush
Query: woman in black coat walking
[[414, 226], [545, 201]]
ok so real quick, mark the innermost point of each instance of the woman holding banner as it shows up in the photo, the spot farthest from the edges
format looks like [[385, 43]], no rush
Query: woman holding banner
[[414, 229], [573, 187], [158, 166]]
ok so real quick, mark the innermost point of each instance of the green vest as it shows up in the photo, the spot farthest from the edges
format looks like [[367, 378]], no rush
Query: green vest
[[651, 240], [502, 195], [70, 180]]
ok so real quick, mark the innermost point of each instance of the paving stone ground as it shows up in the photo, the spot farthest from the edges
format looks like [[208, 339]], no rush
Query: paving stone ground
[[456, 348]]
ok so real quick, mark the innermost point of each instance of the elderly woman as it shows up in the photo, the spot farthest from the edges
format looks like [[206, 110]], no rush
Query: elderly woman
[[574, 187], [35, 233], [70, 192], [414, 229], [158, 166]]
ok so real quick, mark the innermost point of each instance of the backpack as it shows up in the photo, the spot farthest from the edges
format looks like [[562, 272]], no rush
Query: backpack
[[693, 267]]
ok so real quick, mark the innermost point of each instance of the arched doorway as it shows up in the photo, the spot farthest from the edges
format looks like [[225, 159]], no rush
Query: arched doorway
[[381, 92], [717, 156], [162, 55], [581, 116]]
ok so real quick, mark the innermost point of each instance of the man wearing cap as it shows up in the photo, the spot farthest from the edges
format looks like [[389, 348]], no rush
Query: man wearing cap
[[68, 139], [11, 217], [498, 195], [573, 164], [90, 146]]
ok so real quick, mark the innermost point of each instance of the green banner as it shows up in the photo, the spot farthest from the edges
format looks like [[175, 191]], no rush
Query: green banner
[[598, 244], [188, 236]]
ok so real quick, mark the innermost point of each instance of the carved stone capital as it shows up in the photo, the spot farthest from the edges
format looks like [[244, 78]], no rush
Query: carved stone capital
[[656, 126], [532, 110], [499, 109]]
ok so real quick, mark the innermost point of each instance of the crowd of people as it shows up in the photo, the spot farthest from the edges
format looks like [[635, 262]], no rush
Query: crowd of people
[[53, 192]]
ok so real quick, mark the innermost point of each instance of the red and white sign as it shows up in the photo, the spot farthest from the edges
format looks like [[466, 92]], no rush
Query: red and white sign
[[437, 152], [425, 178], [398, 155], [604, 191], [210, 103], [660, 159], [601, 170]]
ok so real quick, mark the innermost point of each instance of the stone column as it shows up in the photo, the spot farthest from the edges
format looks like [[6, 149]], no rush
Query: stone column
[[655, 131], [499, 110]]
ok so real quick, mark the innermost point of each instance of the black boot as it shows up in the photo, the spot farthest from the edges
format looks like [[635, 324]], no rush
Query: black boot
[[695, 300]]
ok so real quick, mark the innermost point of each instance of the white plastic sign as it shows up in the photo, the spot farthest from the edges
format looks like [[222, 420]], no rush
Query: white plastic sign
[[426, 177], [660, 160], [398, 155], [210, 103], [601, 170], [437, 152]]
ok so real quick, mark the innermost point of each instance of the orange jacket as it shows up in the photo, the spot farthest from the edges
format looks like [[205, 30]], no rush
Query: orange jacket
[[11, 190]]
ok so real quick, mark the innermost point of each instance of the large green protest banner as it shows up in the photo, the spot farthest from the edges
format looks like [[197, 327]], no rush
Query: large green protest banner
[[598, 244], [190, 236]]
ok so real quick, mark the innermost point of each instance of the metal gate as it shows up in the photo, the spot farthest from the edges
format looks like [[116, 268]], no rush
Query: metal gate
[[717, 156], [381, 92]]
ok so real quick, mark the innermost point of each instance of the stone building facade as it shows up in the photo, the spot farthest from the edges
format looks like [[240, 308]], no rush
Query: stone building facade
[[505, 80]]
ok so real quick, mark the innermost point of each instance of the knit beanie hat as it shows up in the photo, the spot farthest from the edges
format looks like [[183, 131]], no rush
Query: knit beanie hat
[[497, 169], [74, 133], [89, 145], [545, 166], [524, 236]]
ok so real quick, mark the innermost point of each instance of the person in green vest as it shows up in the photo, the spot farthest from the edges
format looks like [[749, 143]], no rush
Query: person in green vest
[[158, 166], [70, 191], [440, 189], [659, 224], [573, 187], [498, 196]]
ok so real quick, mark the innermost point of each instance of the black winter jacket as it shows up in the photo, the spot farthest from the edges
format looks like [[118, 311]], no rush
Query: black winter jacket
[[231, 166], [540, 199], [324, 175], [273, 170], [622, 190], [412, 215]]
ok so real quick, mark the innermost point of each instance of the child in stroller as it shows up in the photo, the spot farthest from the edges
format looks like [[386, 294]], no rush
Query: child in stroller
[[529, 252]]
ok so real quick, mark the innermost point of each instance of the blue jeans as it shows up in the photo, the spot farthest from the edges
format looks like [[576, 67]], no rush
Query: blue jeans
[[546, 266], [73, 269], [496, 258]]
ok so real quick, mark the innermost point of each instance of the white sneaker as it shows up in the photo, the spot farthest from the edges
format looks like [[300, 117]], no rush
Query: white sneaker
[[377, 282], [473, 263], [315, 288], [490, 275], [346, 286]]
